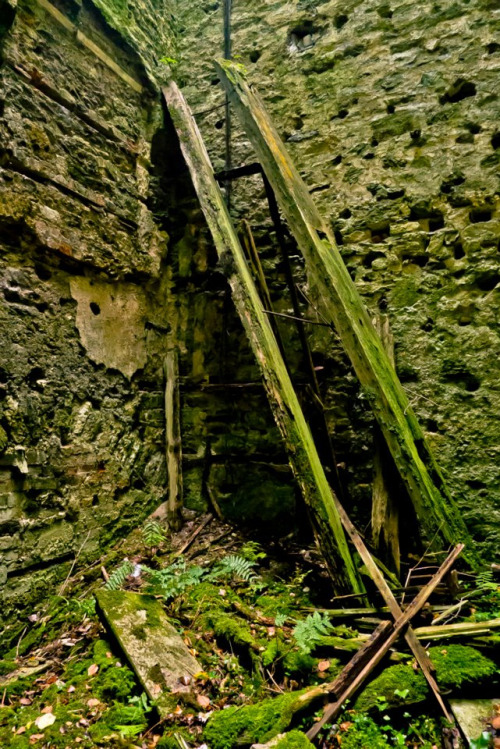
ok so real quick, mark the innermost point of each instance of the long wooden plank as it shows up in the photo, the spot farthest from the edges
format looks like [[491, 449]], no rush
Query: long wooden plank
[[439, 519], [284, 403], [459, 629], [153, 647], [351, 677]]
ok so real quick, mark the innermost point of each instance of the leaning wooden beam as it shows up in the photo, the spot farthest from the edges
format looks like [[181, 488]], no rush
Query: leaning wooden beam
[[342, 306], [282, 397], [352, 676]]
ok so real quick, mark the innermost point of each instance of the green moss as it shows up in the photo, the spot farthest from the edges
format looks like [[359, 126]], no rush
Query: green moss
[[4, 440], [251, 723], [294, 740], [7, 667], [295, 662], [116, 683], [232, 628], [207, 595], [457, 665], [398, 677]]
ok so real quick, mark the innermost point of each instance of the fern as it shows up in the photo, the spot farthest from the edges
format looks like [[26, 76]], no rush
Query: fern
[[280, 619], [118, 577], [153, 534], [235, 566], [485, 581], [173, 580], [309, 632]]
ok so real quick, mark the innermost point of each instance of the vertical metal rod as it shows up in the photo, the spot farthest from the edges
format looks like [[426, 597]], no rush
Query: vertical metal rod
[[324, 443], [227, 56], [227, 10]]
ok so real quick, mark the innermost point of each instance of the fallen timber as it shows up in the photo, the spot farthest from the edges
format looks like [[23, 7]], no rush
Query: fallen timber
[[284, 403], [439, 519], [325, 506], [365, 660]]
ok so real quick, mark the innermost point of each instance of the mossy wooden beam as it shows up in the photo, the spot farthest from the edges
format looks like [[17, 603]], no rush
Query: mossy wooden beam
[[155, 650], [282, 397], [439, 519]]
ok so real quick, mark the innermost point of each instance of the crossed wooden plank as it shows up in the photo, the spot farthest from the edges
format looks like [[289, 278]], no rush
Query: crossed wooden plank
[[365, 660]]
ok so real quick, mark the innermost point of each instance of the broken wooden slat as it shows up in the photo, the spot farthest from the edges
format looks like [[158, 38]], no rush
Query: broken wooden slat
[[342, 306], [459, 629], [352, 676], [282, 397], [154, 649], [173, 438]]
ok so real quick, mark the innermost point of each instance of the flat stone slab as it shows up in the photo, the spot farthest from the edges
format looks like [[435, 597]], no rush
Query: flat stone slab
[[154, 649], [474, 715]]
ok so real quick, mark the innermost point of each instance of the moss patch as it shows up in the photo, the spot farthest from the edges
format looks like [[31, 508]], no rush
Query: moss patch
[[252, 723], [456, 666], [294, 740]]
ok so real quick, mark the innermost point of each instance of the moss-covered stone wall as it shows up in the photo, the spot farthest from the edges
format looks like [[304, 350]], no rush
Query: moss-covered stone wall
[[391, 110], [83, 294]]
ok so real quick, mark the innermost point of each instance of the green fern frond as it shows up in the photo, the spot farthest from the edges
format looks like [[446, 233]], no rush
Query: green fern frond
[[173, 580], [118, 577], [235, 566], [485, 581], [280, 619], [309, 632], [152, 533]]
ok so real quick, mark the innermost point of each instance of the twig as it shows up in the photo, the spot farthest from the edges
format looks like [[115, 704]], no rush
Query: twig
[[63, 586], [210, 543], [182, 742], [292, 317], [19, 642], [2, 704], [104, 573], [412, 569], [278, 688], [214, 502], [456, 609], [193, 536]]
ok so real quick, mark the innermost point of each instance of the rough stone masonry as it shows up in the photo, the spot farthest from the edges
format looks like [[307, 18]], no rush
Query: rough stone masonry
[[391, 112]]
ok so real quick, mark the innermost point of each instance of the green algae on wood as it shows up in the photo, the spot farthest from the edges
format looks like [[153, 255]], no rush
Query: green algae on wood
[[283, 399], [152, 646], [341, 304]]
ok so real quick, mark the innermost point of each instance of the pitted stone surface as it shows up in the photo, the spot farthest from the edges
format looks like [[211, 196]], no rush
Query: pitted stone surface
[[390, 111]]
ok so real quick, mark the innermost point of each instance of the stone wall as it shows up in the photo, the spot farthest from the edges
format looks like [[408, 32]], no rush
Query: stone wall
[[84, 293], [391, 114], [390, 110]]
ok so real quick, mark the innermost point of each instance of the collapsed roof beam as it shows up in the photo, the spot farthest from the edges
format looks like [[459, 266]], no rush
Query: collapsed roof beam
[[440, 520]]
